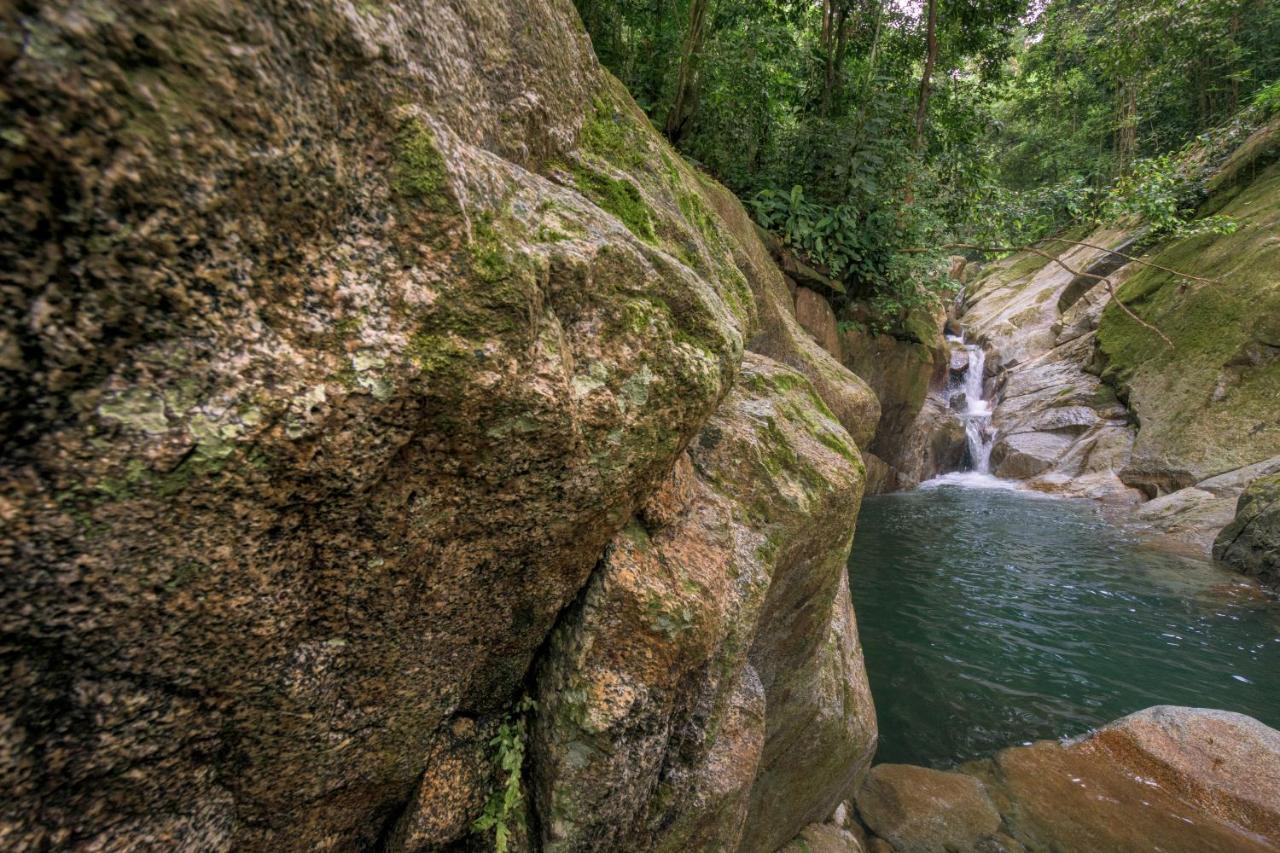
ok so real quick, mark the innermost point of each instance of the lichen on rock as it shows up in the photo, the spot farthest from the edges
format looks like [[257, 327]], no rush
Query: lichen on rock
[[677, 674]]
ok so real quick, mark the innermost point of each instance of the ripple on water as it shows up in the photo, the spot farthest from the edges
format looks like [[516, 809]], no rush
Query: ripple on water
[[991, 616]]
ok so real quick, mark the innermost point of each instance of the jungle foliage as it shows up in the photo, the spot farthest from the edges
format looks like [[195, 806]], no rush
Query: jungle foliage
[[871, 133]]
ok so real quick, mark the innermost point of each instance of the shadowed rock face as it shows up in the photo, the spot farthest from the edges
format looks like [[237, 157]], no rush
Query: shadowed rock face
[[338, 342], [714, 645], [1251, 542], [916, 436]]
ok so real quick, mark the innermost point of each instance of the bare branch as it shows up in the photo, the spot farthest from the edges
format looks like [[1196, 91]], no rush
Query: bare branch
[[1102, 278], [1178, 273]]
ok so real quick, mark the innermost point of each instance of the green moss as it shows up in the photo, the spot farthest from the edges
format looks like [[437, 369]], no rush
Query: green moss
[[619, 197], [438, 353], [609, 134], [489, 261], [420, 171], [1205, 399]]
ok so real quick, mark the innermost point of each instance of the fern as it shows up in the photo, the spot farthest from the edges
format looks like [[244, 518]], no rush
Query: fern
[[509, 758]]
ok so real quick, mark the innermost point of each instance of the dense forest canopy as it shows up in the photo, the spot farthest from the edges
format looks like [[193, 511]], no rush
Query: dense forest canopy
[[871, 134]]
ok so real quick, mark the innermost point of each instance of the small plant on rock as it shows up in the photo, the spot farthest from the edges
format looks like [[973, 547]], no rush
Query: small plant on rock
[[506, 801]]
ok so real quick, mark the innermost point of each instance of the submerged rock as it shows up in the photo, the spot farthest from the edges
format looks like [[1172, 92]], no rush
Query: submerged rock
[[1251, 542]]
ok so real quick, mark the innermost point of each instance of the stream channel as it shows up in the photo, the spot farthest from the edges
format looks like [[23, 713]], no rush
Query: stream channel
[[992, 616]]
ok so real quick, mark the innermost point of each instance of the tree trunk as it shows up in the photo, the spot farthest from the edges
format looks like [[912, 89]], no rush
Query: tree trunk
[[1127, 131], [835, 38], [682, 105], [926, 84], [926, 77]]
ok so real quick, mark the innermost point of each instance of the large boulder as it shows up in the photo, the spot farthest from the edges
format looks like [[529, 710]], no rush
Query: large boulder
[[1182, 780], [696, 666], [1206, 399], [1251, 542], [336, 345], [919, 810]]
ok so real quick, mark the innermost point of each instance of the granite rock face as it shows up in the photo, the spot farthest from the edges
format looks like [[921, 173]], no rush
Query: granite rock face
[[1058, 427], [708, 689], [338, 340], [347, 349], [1091, 403], [1251, 542]]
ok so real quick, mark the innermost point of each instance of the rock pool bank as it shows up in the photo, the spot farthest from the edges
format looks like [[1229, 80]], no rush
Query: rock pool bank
[[1181, 780]]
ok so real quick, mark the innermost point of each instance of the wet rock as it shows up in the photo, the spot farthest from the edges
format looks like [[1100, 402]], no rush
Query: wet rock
[[825, 838], [1182, 780], [1187, 515], [959, 402], [1024, 455], [1251, 542], [959, 361], [815, 315], [688, 688], [919, 810], [915, 436]]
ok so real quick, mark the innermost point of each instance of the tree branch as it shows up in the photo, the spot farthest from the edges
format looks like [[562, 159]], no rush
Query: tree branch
[[1135, 260], [1102, 278]]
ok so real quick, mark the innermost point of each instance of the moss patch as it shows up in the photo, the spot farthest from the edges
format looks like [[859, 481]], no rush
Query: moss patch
[[420, 171], [619, 197], [1211, 400]]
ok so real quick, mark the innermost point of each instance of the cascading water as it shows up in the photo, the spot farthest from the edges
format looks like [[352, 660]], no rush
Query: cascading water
[[976, 412]]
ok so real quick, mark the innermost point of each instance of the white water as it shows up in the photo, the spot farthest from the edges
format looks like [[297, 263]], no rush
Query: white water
[[978, 431]]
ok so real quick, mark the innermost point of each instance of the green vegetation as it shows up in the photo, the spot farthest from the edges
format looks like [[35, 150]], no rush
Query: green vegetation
[[619, 197], [420, 168], [507, 801], [874, 138]]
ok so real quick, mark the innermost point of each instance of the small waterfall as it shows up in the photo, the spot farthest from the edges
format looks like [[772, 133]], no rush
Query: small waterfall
[[976, 412]]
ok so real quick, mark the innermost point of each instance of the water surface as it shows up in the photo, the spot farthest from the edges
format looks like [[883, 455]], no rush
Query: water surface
[[991, 617]]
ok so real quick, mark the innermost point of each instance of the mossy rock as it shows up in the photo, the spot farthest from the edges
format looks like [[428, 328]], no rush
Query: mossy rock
[[1208, 402]]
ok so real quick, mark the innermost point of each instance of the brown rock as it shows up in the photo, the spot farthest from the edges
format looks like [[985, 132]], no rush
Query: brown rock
[[653, 729], [919, 810], [815, 315], [915, 436], [825, 838], [327, 402], [1182, 780]]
